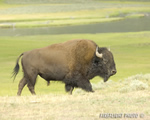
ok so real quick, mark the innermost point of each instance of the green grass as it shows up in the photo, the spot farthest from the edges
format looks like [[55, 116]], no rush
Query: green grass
[[131, 53]]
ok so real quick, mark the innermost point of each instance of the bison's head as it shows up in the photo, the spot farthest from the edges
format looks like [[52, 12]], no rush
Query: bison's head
[[105, 63]]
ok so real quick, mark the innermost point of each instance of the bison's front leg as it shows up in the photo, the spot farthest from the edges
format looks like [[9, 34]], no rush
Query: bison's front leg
[[85, 85], [69, 88]]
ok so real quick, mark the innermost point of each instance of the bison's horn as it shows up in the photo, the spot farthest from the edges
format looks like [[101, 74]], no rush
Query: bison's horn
[[100, 55], [108, 49]]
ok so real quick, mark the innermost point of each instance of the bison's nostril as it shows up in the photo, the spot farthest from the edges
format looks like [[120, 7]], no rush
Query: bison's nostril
[[113, 72]]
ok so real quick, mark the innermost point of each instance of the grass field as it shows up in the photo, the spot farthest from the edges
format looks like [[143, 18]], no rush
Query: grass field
[[127, 93], [110, 98], [76, 107]]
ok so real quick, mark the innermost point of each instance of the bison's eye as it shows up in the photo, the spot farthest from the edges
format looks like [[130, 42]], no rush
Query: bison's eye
[[105, 61]]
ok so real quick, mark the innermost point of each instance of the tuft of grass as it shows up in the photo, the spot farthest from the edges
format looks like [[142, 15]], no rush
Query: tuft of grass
[[135, 83], [138, 85]]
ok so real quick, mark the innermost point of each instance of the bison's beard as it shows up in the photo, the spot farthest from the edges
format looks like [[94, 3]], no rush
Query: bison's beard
[[106, 78]]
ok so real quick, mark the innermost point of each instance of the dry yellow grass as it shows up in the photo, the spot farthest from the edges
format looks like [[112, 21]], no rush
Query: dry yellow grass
[[87, 106], [107, 100]]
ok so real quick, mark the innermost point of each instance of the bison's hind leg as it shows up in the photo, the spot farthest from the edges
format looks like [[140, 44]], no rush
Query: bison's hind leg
[[21, 85], [31, 88], [31, 83]]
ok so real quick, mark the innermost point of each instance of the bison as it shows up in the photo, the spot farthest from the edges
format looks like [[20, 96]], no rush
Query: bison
[[74, 63]]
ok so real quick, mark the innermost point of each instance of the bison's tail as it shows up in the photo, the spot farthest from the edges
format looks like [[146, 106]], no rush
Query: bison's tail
[[16, 68]]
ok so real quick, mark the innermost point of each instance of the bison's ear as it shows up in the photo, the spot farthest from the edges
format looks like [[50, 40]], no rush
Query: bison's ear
[[100, 55]]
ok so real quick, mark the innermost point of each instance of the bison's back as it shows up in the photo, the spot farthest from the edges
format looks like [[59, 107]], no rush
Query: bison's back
[[80, 49], [71, 52]]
